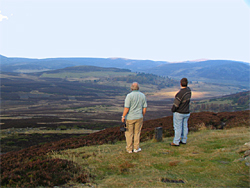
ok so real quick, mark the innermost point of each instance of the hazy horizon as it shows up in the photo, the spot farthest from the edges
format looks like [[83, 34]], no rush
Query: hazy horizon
[[194, 60]]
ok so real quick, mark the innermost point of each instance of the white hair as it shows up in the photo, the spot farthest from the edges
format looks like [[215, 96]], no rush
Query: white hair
[[135, 86]]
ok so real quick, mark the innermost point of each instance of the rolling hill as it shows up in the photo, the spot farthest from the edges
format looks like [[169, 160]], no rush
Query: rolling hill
[[36, 65], [211, 71]]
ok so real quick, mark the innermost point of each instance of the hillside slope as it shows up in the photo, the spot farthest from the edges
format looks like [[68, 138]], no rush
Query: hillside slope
[[234, 102], [211, 158], [213, 70], [26, 167]]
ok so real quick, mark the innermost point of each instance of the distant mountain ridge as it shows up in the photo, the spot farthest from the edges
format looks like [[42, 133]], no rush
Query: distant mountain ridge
[[27, 65], [220, 70], [216, 71]]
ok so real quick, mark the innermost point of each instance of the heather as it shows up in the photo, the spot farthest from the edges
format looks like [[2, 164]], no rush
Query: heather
[[20, 168]]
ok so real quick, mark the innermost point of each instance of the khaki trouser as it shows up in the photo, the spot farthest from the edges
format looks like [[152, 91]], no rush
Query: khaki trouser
[[133, 130]]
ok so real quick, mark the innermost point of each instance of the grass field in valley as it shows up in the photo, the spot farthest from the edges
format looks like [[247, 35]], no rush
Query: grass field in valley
[[95, 74], [209, 159]]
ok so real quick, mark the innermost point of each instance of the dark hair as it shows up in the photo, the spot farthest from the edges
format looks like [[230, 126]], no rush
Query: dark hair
[[184, 82]]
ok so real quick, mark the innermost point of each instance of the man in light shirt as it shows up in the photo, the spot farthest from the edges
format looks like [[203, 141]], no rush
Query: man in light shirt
[[135, 107]]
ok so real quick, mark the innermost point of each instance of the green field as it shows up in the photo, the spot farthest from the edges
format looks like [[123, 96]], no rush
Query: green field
[[96, 74]]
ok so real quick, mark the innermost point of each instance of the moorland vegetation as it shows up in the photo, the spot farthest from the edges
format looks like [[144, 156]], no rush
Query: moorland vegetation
[[34, 166], [76, 99]]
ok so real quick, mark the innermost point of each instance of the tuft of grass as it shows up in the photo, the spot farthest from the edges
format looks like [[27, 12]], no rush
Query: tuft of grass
[[209, 159]]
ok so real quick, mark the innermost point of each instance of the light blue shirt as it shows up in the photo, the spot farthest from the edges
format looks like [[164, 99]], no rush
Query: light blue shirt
[[135, 101]]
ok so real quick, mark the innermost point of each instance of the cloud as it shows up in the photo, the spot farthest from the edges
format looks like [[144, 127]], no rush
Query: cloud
[[2, 17]]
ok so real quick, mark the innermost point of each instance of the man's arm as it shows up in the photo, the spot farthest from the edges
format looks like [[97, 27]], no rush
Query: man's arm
[[176, 103], [125, 111], [144, 111]]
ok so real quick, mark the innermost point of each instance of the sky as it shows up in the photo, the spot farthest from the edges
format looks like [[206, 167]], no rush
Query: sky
[[159, 30]]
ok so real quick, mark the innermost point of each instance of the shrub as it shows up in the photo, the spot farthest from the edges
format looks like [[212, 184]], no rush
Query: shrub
[[48, 172], [10, 143]]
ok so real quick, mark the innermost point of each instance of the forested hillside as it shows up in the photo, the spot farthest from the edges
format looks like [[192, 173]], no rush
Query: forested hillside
[[144, 78], [216, 71], [234, 102]]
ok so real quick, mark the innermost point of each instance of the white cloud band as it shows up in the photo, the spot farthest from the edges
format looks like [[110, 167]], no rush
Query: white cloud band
[[3, 17]]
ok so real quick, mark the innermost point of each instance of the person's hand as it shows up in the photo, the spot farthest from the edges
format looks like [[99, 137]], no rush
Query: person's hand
[[123, 119]]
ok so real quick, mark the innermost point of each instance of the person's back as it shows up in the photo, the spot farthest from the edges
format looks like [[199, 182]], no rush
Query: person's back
[[135, 107], [135, 101], [181, 113], [183, 98]]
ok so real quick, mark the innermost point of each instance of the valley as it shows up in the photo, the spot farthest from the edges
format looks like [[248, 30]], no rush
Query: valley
[[77, 101], [44, 113], [88, 97]]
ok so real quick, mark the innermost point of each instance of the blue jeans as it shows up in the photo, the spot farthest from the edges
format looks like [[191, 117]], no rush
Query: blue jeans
[[180, 127]]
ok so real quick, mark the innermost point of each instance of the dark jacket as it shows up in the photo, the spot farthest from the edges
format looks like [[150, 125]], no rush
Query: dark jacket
[[182, 100]]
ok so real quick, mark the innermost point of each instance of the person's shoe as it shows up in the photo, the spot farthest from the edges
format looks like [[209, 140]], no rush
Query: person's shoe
[[137, 150], [182, 142], [130, 152], [172, 144]]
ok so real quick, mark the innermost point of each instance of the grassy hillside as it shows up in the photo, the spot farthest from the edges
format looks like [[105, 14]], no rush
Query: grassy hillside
[[204, 161], [210, 159]]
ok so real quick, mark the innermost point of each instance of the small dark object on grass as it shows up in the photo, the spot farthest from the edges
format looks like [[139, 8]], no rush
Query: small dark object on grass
[[158, 134], [166, 180]]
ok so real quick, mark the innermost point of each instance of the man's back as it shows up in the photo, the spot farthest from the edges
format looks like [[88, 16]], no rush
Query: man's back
[[182, 98], [135, 101]]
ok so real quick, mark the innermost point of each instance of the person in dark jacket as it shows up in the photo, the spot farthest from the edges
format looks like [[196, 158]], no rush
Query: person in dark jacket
[[181, 113]]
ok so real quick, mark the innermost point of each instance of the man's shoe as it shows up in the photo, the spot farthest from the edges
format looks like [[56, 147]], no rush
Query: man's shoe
[[130, 152], [137, 150], [172, 144], [182, 142]]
